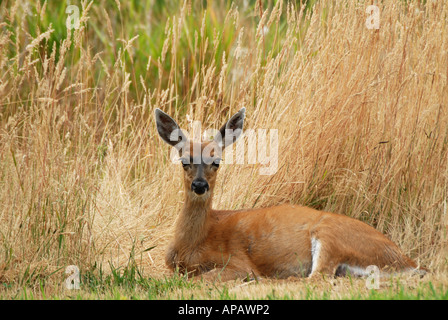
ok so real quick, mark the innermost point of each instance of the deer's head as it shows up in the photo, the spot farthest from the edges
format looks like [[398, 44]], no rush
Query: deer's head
[[200, 160]]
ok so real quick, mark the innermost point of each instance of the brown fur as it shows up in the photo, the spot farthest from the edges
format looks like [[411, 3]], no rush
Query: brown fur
[[270, 242], [275, 242]]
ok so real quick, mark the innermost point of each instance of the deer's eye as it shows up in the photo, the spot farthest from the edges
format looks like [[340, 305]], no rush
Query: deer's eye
[[185, 163], [215, 163]]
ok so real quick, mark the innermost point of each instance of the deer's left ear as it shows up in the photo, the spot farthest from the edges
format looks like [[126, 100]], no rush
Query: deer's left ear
[[232, 130]]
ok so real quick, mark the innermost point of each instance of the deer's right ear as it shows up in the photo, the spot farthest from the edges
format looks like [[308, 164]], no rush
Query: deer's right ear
[[169, 131], [232, 130]]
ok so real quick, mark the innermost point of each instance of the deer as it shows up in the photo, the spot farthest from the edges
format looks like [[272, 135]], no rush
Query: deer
[[281, 241]]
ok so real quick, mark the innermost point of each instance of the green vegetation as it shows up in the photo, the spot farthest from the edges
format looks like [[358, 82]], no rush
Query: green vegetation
[[127, 285]]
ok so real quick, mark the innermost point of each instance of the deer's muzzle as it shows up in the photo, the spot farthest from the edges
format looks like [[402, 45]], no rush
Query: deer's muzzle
[[199, 186]]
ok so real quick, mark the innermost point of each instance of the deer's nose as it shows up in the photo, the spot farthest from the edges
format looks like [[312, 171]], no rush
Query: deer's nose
[[199, 186]]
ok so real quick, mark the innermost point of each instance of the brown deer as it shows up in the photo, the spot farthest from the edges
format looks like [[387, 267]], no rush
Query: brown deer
[[279, 241]]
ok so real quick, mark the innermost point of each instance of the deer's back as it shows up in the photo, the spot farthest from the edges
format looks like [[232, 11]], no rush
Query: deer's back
[[276, 241]]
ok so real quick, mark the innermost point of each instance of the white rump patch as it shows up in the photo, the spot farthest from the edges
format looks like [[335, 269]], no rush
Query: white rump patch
[[315, 252]]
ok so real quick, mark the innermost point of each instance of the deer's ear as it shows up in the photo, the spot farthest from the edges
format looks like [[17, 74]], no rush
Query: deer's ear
[[169, 130], [232, 130]]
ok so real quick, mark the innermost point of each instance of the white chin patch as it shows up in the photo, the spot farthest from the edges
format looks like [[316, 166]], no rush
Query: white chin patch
[[203, 196]]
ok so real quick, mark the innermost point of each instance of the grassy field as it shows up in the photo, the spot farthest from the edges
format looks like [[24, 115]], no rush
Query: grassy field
[[117, 286], [130, 283], [362, 117]]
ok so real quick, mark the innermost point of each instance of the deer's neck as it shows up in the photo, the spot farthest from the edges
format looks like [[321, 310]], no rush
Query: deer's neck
[[194, 221]]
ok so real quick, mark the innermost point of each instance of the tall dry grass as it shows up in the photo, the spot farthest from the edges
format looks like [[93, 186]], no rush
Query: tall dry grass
[[362, 117]]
